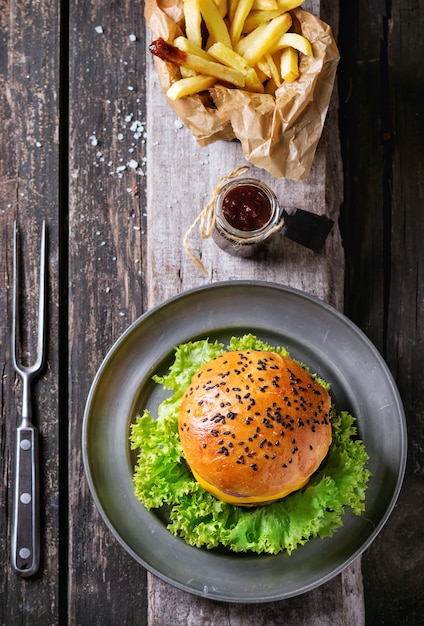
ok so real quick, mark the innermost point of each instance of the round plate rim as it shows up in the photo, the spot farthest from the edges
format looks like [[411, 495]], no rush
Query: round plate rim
[[306, 297]]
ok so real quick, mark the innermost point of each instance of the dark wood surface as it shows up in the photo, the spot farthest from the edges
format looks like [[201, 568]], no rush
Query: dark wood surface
[[68, 98], [382, 127]]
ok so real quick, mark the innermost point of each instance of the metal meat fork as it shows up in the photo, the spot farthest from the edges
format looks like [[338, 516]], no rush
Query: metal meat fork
[[25, 539]]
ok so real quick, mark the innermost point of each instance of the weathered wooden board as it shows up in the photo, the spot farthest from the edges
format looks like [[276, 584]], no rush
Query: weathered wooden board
[[29, 167], [181, 179], [179, 186], [106, 134], [383, 227]]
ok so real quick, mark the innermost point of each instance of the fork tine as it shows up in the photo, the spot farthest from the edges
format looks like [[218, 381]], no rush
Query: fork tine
[[35, 367]]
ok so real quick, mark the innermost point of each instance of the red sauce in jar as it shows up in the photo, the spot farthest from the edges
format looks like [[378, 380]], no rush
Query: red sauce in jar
[[246, 208]]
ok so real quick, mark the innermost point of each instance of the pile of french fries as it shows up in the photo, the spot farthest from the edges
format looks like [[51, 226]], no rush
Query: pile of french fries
[[246, 44]]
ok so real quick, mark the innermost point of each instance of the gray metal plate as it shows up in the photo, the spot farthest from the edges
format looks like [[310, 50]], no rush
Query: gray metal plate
[[314, 333]]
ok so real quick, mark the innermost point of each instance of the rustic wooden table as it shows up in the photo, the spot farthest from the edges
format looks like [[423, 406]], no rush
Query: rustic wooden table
[[89, 144]]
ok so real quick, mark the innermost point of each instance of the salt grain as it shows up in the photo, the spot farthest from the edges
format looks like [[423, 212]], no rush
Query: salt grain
[[132, 38], [99, 29]]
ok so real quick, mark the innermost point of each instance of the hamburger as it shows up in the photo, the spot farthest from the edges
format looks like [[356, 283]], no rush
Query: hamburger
[[254, 426], [162, 478]]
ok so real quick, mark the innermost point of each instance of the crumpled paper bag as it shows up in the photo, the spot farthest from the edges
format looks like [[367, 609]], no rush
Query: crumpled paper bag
[[279, 134]]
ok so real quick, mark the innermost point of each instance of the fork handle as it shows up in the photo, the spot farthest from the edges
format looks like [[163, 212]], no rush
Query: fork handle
[[25, 541]]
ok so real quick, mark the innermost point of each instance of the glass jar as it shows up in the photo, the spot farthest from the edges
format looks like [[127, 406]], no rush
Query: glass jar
[[247, 215]]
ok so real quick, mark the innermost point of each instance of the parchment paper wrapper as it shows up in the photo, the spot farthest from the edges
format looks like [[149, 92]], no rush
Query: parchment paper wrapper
[[279, 134]]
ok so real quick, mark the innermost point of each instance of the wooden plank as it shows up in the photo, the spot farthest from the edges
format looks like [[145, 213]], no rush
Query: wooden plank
[[384, 260], [177, 191], [105, 291], [171, 211], [29, 163]]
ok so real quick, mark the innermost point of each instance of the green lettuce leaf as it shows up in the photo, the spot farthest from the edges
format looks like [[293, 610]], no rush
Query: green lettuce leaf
[[162, 478]]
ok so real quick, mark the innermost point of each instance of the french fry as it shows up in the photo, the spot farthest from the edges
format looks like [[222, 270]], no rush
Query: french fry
[[275, 73], [171, 54], [184, 44], [193, 20], [242, 11], [232, 59], [263, 38], [288, 5], [232, 5], [228, 57], [253, 82], [214, 22], [217, 70], [289, 65], [185, 72], [262, 75], [241, 43], [263, 69], [265, 5], [222, 7], [293, 40], [256, 18], [189, 86]]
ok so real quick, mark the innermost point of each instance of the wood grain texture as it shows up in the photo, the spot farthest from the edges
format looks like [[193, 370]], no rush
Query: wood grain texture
[[29, 165], [116, 250], [383, 227], [106, 200], [182, 182]]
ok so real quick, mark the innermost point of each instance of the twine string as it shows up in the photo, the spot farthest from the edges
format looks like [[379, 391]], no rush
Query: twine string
[[206, 218]]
